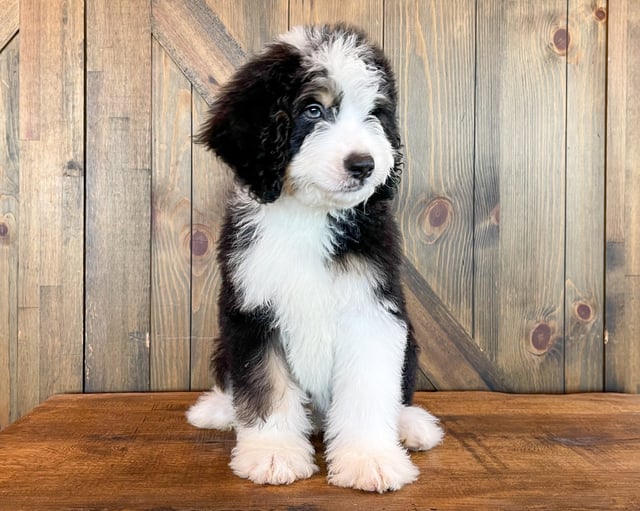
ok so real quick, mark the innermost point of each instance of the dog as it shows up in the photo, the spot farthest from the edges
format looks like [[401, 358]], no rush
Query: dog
[[314, 332]]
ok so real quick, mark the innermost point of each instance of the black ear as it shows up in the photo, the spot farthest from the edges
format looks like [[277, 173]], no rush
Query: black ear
[[386, 112], [250, 121]]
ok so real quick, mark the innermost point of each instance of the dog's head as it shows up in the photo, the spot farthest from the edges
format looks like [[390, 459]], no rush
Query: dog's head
[[312, 116]]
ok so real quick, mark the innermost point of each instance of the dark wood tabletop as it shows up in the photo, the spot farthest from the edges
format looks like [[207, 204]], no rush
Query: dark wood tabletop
[[137, 452]]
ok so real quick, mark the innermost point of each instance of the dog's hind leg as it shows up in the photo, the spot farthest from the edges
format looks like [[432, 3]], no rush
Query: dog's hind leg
[[213, 410], [418, 429]]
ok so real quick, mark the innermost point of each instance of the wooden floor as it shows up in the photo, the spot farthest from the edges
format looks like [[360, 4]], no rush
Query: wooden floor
[[136, 452]]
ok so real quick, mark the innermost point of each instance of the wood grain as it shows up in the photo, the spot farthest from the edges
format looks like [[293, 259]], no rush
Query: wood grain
[[520, 160], [9, 223], [171, 225], [252, 25], [136, 452], [9, 20], [622, 370], [118, 195], [368, 14], [51, 231], [431, 46], [198, 41], [585, 146]]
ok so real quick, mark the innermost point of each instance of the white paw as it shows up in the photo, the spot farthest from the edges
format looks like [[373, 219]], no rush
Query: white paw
[[213, 410], [273, 462], [372, 470], [418, 429]]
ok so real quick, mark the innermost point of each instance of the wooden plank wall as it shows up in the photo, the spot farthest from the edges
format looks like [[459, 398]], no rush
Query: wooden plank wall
[[117, 303], [109, 213]]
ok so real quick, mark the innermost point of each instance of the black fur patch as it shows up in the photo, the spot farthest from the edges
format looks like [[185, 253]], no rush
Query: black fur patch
[[250, 122]]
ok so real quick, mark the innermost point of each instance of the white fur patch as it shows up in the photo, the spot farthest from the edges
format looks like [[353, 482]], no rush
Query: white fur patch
[[363, 449], [373, 469], [317, 174], [213, 410], [285, 267], [280, 458], [418, 429]]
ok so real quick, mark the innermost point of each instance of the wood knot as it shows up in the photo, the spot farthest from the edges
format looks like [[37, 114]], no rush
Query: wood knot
[[436, 218], [73, 169], [4, 230], [600, 13], [583, 311], [542, 337], [561, 40], [199, 242]]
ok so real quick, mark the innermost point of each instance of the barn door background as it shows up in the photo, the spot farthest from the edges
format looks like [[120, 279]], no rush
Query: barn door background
[[510, 115]]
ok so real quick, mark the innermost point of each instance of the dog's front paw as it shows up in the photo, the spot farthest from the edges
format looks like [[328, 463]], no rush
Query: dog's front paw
[[273, 462], [418, 429], [372, 470]]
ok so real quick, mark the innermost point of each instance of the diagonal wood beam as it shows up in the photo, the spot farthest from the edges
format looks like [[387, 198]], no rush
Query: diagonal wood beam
[[9, 20], [197, 41], [448, 356]]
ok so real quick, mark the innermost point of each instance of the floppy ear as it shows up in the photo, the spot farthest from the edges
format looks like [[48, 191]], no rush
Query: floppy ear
[[386, 112], [250, 121]]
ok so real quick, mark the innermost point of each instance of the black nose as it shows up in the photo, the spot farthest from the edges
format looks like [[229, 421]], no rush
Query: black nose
[[359, 166]]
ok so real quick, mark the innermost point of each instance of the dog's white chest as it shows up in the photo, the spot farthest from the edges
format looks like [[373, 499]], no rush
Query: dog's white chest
[[287, 268]]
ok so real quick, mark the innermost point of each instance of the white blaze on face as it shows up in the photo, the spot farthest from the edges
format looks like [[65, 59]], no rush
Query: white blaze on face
[[317, 174]]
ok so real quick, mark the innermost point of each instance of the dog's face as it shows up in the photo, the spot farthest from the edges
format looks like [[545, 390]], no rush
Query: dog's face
[[313, 116]]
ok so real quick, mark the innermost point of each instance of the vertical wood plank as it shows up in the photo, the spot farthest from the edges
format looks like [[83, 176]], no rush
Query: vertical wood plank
[[584, 273], [171, 225], [622, 370], [367, 14], [50, 289], [28, 346], [9, 200], [520, 162], [431, 45], [117, 306], [212, 181]]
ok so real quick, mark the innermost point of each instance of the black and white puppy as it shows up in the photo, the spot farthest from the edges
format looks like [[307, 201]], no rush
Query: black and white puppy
[[314, 333]]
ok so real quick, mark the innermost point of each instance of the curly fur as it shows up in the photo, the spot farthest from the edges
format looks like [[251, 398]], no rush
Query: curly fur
[[314, 332]]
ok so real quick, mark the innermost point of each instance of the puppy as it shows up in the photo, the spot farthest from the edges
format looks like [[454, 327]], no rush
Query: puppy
[[314, 333]]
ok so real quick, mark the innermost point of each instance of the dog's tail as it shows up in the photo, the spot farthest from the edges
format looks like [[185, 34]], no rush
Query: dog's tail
[[213, 410]]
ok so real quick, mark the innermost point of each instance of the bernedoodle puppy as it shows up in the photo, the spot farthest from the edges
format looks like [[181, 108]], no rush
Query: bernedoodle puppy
[[314, 333]]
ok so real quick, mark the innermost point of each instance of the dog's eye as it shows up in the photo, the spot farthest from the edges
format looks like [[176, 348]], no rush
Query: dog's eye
[[314, 111]]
